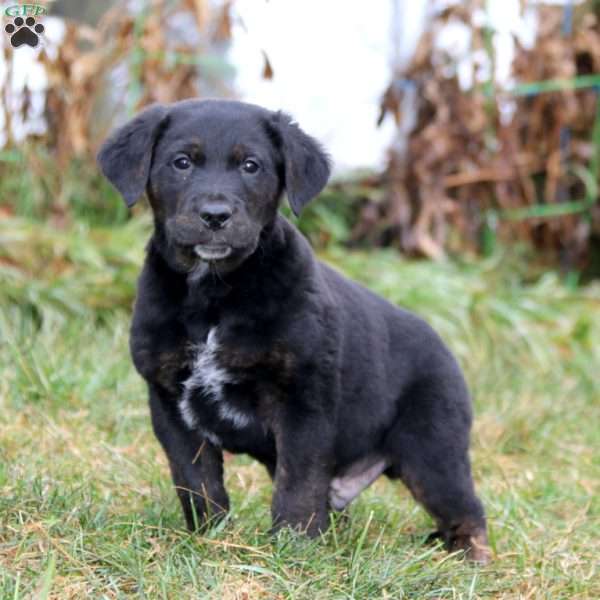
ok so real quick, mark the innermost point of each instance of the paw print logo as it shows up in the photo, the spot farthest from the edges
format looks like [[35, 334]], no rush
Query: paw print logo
[[24, 32]]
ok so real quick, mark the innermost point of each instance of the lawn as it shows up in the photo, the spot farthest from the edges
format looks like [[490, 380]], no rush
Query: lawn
[[86, 505]]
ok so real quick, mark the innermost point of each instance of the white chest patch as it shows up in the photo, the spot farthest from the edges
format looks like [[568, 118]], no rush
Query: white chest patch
[[209, 378]]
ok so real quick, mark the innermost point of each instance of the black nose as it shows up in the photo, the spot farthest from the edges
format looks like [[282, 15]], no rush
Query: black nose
[[215, 216]]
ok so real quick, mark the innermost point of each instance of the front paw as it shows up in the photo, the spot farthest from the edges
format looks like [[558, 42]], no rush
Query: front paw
[[312, 524], [200, 515]]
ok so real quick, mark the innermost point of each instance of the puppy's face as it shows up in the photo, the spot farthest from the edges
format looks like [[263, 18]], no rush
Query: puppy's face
[[214, 172], [215, 181]]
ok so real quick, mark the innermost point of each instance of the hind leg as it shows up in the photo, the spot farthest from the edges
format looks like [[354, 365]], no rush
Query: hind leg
[[430, 455], [443, 485]]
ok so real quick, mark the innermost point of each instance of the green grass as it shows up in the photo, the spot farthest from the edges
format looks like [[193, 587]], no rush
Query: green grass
[[86, 504]]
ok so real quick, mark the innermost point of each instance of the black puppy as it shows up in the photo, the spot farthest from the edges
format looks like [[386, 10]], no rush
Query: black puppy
[[250, 344]]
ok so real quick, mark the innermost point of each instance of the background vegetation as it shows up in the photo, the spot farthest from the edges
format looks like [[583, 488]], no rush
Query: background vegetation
[[87, 507]]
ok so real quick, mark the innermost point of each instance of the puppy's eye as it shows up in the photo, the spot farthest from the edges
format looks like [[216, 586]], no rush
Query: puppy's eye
[[250, 166], [182, 163]]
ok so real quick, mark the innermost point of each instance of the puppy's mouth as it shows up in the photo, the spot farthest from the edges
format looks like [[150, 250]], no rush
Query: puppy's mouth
[[212, 252]]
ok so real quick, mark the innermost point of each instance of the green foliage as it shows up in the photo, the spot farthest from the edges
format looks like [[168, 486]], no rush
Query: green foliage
[[33, 187], [79, 270], [329, 221], [87, 508]]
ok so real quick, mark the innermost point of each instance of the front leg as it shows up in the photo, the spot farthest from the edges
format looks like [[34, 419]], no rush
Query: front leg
[[303, 473], [196, 464]]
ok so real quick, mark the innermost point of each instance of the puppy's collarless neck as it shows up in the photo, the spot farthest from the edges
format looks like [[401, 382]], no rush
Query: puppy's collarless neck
[[273, 269]]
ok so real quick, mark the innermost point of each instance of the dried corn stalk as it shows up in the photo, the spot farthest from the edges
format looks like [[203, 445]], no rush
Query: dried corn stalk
[[127, 61], [462, 163]]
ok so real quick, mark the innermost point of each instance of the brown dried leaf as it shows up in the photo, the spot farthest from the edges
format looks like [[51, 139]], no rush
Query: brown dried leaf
[[267, 72]]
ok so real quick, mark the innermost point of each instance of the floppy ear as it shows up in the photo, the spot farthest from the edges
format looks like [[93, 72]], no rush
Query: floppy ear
[[125, 156], [306, 165]]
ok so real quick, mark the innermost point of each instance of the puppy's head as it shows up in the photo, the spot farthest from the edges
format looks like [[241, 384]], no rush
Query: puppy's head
[[214, 172]]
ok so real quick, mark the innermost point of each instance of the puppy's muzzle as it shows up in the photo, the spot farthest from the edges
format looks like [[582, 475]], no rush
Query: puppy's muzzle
[[216, 215], [187, 230]]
